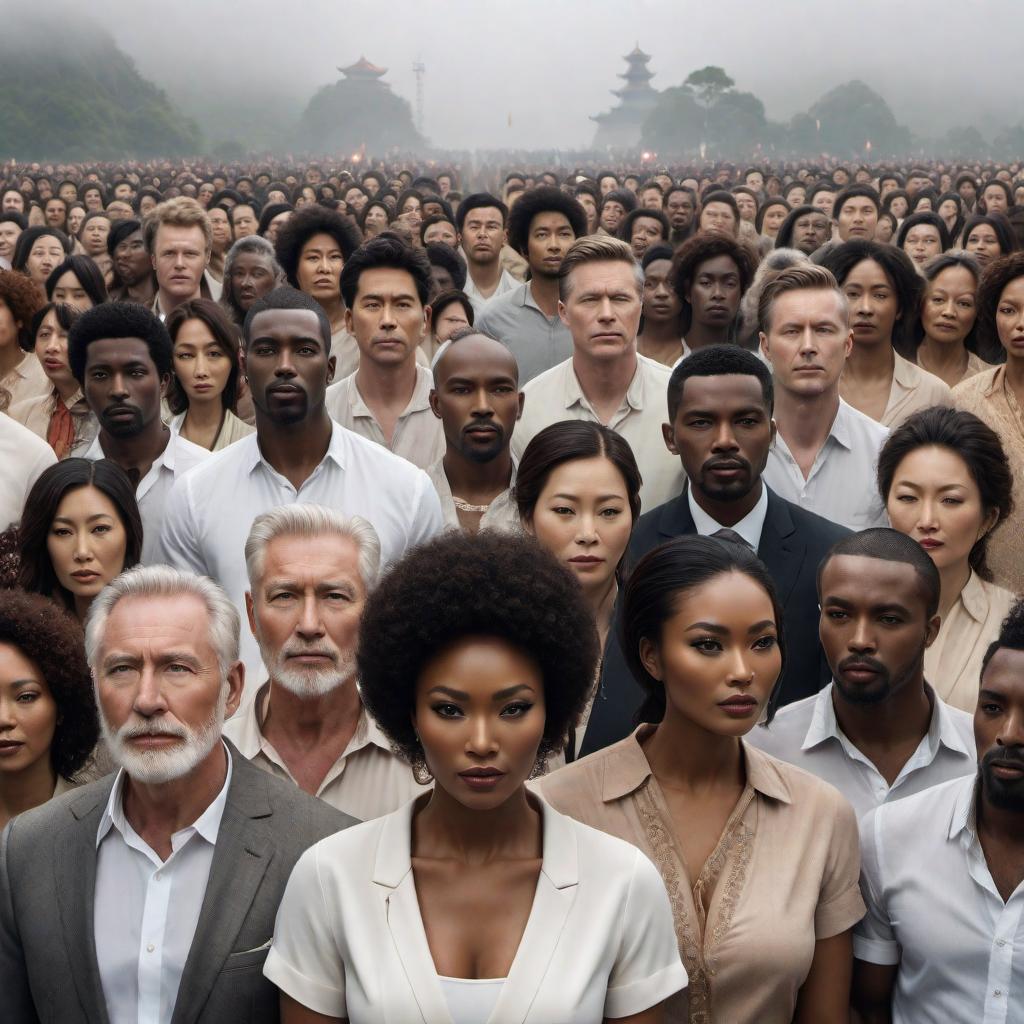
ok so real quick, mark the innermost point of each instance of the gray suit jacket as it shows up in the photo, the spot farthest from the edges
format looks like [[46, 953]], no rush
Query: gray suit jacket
[[48, 969]]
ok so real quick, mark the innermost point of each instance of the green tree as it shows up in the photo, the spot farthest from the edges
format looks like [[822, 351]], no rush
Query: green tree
[[674, 126], [851, 115], [964, 141], [710, 83]]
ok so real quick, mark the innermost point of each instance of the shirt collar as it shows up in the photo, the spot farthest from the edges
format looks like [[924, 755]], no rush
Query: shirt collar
[[634, 393], [419, 401], [207, 825], [335, 450], [974, 599], [962, 820], [627, 769], [164, 459], [749, 527]]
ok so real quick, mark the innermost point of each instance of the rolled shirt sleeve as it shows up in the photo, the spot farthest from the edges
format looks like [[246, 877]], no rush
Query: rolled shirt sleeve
[[874, 940]]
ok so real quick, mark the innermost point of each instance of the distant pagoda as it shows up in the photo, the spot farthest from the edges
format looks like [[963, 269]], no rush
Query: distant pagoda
[[620, 127], [364, 71]]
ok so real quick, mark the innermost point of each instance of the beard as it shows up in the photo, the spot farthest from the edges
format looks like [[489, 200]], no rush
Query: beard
[[155, 767], [308, 682], [1006, 794]]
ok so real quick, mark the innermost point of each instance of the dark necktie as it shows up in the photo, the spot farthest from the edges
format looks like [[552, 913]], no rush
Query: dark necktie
[[731, 536]]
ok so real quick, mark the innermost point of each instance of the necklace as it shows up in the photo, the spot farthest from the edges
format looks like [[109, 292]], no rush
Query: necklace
[[464, 506]]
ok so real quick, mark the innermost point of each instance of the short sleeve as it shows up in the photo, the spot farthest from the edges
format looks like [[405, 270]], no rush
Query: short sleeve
[[647, 968], [428, 520], [874, 940], [178, 535], [304, 960], [840, 905]]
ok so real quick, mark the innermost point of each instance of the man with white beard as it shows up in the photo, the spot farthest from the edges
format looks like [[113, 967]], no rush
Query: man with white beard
[[310, 569], [151, 895]]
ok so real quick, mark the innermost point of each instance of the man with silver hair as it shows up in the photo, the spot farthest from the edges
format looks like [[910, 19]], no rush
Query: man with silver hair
[[310, 570], [151, 894], [251, 271]]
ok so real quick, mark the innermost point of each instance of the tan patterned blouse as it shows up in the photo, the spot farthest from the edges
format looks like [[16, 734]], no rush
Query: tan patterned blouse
[[783, 875]]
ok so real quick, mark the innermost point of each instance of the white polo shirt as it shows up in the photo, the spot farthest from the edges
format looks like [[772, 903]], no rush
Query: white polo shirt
[[934, 909]]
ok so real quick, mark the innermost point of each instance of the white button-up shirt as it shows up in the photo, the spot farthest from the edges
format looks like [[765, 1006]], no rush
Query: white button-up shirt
[[841, 484], [147, 909], [934, 910], [749, 527], [23, 457], [556, 395], [506, 283], [808, 735], [174, 462], [210, 512]]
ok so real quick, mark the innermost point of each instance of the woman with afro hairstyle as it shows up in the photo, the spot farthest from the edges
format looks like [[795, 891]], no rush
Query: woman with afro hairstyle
[[48, 721], [476, 901]]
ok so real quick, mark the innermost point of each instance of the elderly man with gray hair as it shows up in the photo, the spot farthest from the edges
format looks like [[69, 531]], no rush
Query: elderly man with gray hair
[[151, 894], [310, 569]]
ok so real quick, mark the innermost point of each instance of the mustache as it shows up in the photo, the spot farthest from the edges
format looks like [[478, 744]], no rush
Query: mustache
[[862, 661], [730, 461], [131, 731], [320, 652], [1011, 756]]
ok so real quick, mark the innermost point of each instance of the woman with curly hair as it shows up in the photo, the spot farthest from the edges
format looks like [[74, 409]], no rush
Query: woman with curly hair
[[48, 721], [475, 901], [760, 859], [21, 373]]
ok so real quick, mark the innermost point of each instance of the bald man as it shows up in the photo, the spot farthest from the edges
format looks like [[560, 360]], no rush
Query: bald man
[[476, 397]]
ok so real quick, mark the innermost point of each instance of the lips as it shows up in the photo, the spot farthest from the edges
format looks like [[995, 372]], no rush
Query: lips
[[85, 575], [586, 560], [930, 543]]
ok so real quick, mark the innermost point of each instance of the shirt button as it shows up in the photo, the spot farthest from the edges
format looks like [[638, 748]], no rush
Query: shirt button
[[998, 992], [1000, 942], [151, 947]]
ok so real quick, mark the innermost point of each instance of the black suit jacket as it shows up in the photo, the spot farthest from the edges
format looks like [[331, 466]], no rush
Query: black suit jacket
[[48, 968], [793, 543]]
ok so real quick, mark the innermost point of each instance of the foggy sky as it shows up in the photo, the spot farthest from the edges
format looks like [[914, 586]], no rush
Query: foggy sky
[[546, 65]]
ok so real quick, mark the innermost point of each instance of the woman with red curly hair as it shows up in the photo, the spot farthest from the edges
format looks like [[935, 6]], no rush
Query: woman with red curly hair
[[21, 373]]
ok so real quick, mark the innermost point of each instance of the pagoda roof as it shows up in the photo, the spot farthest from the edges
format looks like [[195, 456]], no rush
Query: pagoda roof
[[637, 53], [363, 69]]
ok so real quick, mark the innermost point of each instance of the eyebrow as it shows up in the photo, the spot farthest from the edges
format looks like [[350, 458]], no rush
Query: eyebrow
[[719, 630], [509, 691], [600, 497], [89, 519], [892, 606], [471, 382], [377, 297], [162, 659]]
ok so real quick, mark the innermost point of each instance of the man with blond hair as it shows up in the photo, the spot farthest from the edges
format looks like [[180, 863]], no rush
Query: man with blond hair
[[825, 452], [605, 380], [179, 240], [310, 569], [151, 894]]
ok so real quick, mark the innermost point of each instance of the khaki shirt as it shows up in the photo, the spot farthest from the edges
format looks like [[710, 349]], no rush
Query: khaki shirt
[[988, 397], [418, 436], [367, 781], [953, 663], [912, 390], [27, 380], [784, 874], [556, 395]]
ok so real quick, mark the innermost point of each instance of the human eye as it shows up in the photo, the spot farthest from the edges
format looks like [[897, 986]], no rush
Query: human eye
[[281, 596], [766, 642], [990, 708], [518, 709], [611, 512], [447, 710], [178, 668], [97, 374], [60, 531], [307, 350], [563, 510], [707, 645], [263, 349], [102, 528], [906, 499], [890, 620], [952, 499], [836, 614], [183, 355]]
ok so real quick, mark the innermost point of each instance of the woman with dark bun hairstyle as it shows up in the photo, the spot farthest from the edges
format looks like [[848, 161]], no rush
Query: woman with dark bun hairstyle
[[476, 901]]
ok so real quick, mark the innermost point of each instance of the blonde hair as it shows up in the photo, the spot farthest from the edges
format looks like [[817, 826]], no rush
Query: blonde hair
[[597, 249], [798, 278], [180, 212]]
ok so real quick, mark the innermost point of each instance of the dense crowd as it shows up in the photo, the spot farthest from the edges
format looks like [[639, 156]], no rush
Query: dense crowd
[[512, 594]]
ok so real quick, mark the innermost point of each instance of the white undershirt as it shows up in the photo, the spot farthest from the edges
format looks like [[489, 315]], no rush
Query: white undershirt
[[471, 1000]]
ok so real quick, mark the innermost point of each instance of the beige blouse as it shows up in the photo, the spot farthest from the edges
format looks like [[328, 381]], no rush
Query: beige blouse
[[975, 365], [231, 430], [784, 874], [912, 390], [27, 380], [988, 397], [35, 414], [953, 663]]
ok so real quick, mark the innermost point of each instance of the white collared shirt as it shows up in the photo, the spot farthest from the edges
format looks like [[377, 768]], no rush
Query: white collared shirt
[[178, 457], [749, 527], [147, 909], [556, 395], [506, 283], [368, 779], [23, 457], [807, 734], [934, 909], [210, 512], [418, 435], [841, 485]]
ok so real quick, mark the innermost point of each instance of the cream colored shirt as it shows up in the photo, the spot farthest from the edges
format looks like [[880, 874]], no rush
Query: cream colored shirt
[[556, 395], [418, 435], [501, 515], [35, 413], [368, 780], [23, 456], [27, 380], [953, 663], [988, 397], [912, 390], [231, 430], [783, 875]]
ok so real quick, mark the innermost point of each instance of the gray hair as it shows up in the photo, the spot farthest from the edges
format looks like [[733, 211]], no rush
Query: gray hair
[[257, 246], [163, 581], [310, 521]]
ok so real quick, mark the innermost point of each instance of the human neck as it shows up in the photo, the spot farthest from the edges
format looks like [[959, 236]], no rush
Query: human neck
[[701, 336], [904, 715], [728, 513], [203, 419], [477, 480], [544, 289], [389, 385], [67, 387], [871, 362], [1014, 369], [21, 791], [606, 381], [294, 449], [157, 811], [169, 303], [309, 721], [139, 451], [485, 275], [806, 420], [954, 578], [942, 359], [683, 755], [142, 291], [447, 829]]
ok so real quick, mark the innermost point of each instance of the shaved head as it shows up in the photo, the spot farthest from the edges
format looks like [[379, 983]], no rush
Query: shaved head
[[469, 351]]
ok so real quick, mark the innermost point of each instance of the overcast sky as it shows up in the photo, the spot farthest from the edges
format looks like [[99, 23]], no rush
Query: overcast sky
[[546, 65]]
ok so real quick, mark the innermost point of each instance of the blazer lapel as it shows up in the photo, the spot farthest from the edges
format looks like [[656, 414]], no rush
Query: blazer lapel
[[780, 549], [240, 860], [74, 865], [554, 898]]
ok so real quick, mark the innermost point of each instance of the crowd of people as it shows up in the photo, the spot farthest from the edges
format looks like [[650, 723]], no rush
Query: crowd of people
[[525, 596]]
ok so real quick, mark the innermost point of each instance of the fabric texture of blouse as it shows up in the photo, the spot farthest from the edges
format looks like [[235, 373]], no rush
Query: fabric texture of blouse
[[990, 399], [784, 874], [231, 430], [350, 941], [953, 662], [912, 390], [26, 380], [471, 1000], [38, 413]]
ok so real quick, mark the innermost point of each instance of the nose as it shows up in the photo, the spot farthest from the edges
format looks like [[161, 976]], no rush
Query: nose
[[482, 407], [740, 672], [927, 517], [149, 697], [1011, 730], [863, 639], [119, 386], [586, 529], [83, 552], [310, 625], [202, 369], [605, 313], [7, 717], [388, 320], [725, 439], [481, 742]]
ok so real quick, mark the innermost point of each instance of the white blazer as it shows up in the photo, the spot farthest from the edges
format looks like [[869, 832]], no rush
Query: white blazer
[[349, 940]]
